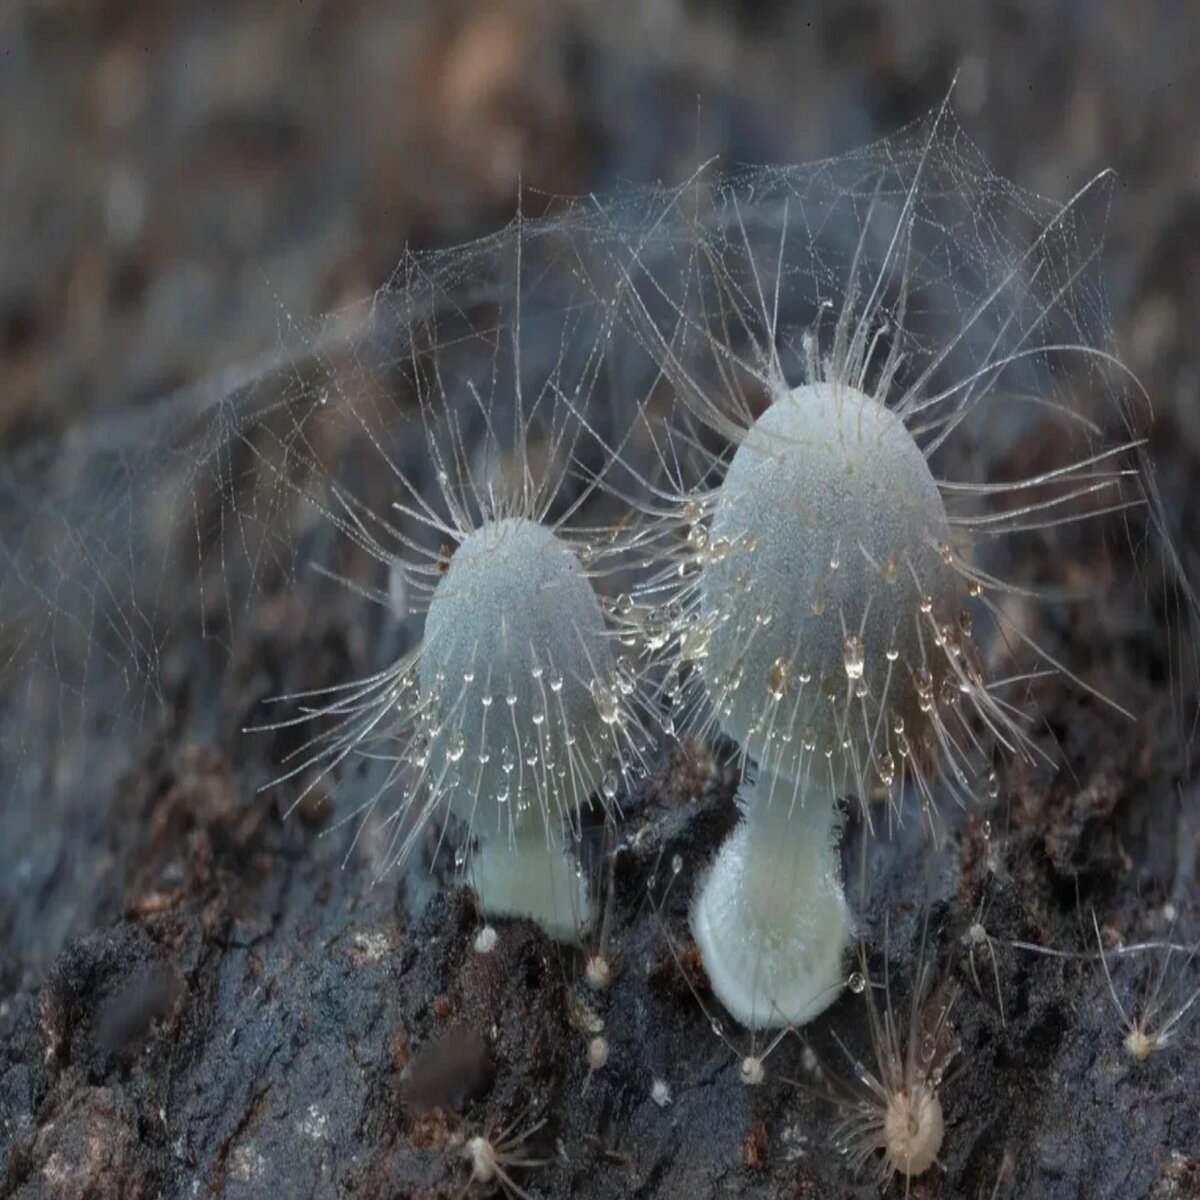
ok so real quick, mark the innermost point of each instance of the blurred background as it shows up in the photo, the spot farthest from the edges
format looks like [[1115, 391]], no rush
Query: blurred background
[[180, 178]]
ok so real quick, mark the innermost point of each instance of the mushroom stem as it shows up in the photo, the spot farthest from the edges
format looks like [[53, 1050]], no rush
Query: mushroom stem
[[770, 918], [532, 873]]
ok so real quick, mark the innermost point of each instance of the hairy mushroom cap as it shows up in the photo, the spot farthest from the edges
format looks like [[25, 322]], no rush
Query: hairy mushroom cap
[[826, 564], [517, 661]]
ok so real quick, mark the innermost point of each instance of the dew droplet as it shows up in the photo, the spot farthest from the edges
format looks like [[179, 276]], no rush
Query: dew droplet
[[607, 704], [719, 550], [887, 769], [856, 983], [852, 656], [694, 646]]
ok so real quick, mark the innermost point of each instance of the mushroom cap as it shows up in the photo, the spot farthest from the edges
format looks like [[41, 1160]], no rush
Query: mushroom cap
[[825, 575], [516, 665]]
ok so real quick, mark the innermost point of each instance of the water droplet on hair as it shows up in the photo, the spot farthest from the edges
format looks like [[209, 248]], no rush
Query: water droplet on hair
[[695, 642], [852, 656], [887, 769], [455, 747], [777, 679], [923, 682], [856, 983], [607, 705]]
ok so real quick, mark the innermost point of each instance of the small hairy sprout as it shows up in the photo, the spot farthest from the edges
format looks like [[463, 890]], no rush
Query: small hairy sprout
[[893, 1107], [978, 938], [597, 970], [597, 1059], [597, 1053], [494, 1155], [1157, 1016], [598, 973]]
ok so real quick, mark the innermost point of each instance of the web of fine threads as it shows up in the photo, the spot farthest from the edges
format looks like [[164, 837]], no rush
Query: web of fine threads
[[146, 554]]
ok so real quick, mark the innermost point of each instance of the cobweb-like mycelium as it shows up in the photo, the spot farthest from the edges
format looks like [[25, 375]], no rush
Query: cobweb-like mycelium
[[850, 368], [858, 356], [517, 704]]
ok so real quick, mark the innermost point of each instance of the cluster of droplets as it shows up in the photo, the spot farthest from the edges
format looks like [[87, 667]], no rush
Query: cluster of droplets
[[685, 627]]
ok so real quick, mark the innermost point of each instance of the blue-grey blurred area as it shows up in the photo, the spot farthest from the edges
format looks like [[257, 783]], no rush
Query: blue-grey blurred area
[[181, 180], [228, 235]]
